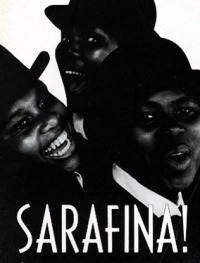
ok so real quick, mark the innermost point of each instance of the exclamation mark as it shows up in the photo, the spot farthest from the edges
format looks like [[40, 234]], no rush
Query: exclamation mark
[[184, 216]]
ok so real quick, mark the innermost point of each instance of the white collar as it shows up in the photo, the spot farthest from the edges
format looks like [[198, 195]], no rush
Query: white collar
[[78, 124], [145, 195], [79, 178]]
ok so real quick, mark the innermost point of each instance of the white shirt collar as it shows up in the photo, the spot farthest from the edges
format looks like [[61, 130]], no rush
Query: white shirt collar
[[79, 178], [145, 195], [78, 124]]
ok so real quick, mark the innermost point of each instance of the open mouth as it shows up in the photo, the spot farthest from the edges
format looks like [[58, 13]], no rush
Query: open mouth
[[74, 73], [178, 158], [74, 81], [59, 147]]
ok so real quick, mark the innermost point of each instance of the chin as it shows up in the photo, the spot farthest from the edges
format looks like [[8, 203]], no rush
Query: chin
[[179, 184], [71, 164]]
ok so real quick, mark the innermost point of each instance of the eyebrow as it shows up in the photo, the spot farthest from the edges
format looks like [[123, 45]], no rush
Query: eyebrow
[[174, 102], [14, 114], [182, 100], [150, 104]]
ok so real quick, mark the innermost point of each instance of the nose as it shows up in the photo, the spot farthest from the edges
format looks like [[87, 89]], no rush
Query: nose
[[174, 131], [74, 47], [48, 122], [70, 55], [172, 127]]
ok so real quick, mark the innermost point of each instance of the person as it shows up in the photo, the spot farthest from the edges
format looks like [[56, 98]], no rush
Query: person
[[90, 31], [100, 124], [39, 157], [156, 115], [33, 122]]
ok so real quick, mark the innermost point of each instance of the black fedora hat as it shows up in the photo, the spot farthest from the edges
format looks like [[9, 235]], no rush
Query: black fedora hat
[[128, 77], [15, 77], [112, 15], [11, 69]]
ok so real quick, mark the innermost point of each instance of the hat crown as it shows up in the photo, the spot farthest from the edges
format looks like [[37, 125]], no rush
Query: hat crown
[[109, 14], [128, 78], [13, 70], [15, 77]]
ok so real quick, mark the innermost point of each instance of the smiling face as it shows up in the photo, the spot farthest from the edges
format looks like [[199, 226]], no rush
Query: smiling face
[[36, 125], [80, 53], [167, 136]]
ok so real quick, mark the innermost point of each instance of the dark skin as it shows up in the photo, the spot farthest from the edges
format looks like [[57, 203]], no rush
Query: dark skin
[[35, 126], [166, 142], [79, 55]]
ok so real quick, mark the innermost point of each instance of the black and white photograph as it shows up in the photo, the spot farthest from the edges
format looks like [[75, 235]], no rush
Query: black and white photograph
[[99, 131]]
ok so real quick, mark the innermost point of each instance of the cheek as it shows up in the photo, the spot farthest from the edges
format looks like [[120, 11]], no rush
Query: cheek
[[144, 141], [97, 56], [59, 108], [194, 136], [195, 132], [28, 145]]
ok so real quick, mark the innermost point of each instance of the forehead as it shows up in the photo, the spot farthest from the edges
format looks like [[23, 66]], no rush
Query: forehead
[[27, 98], [82, 31], [21, 99], [169, 97]]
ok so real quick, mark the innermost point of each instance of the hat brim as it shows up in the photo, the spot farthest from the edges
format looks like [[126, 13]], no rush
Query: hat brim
[[196, 74]]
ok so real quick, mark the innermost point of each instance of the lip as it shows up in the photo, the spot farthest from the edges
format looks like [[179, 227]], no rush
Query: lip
[[178, 158], [74, 81], [77, 87], [60, 147]]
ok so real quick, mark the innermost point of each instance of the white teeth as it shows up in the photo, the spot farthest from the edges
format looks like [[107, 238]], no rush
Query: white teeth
[[61, 140], [176, 154], [58, 142], [70, 72], [53, 146], [63, 151], [53, 154]]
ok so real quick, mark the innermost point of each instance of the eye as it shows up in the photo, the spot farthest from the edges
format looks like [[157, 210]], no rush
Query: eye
[[42, 103], [94, 41], [45, 101], [185, 112], [148, 116], [20, 126], [66, 40], [147, 119]]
